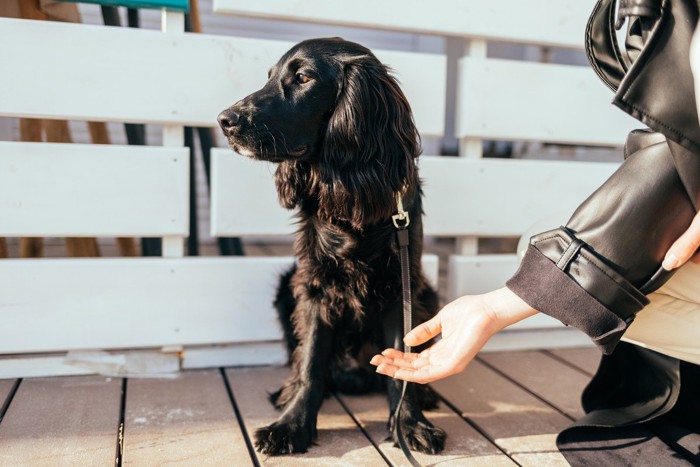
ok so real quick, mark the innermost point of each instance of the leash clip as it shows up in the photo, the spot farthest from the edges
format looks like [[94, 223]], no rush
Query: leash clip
[[401, 218]]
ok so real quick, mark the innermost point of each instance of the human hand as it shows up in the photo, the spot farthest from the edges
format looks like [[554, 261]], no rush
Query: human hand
[[685, 248], [466, 325]]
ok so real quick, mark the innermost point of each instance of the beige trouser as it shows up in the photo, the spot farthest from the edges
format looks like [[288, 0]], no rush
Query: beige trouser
[[670, 324]]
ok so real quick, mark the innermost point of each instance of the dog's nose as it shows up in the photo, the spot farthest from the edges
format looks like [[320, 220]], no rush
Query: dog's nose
[[227, 120]]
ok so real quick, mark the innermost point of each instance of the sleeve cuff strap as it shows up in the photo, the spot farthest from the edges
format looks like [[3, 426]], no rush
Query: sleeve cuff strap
[[553, 283]]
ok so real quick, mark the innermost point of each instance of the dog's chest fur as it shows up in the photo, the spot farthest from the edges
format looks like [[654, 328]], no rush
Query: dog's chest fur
[[346, 269]]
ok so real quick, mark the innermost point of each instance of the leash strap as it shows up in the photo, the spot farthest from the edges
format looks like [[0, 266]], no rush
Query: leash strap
[[401, 221]]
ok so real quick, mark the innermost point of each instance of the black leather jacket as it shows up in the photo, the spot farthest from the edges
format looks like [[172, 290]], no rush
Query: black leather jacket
[[593, 273]]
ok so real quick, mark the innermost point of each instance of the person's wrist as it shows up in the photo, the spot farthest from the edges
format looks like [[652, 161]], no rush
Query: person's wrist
[[506, 308]]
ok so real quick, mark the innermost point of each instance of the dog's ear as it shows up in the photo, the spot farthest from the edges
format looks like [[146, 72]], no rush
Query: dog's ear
[[370, 146]]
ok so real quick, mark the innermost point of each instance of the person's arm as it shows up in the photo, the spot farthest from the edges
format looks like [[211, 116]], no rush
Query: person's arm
[[594, 272], [466, 324]]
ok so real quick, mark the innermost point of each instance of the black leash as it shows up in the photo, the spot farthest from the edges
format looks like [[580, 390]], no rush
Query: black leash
[[401, 221]]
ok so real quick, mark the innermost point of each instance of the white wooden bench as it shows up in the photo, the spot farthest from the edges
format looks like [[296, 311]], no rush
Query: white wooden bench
[[213, 311], [202, 307]]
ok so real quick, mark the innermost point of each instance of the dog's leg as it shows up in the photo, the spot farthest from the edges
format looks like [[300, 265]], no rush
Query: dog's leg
[[285, 304], [420, 434], [302, 393]]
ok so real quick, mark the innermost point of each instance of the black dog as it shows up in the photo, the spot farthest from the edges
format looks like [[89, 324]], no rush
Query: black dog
[[344, 137]]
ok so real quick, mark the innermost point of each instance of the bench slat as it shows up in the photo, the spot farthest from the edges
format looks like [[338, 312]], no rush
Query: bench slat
[[515, 100], [131, 303], [545, 22], [496, 197], [194, 77], [92, 190], [141, 302], [462, 196]]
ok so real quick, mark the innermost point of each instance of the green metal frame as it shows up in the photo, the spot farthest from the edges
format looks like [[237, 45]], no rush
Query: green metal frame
[[175, 5]]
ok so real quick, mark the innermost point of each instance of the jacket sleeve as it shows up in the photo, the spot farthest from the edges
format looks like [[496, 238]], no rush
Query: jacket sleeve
[[593, 273]]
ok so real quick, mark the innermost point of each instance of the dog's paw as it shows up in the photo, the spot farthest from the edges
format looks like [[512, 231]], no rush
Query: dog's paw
[[422, 436], [284, 438]]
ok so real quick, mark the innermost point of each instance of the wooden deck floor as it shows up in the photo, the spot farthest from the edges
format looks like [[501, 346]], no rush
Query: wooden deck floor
[[506, 409]]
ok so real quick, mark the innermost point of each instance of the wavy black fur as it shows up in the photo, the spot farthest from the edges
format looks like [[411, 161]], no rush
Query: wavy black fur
[[341, 130]]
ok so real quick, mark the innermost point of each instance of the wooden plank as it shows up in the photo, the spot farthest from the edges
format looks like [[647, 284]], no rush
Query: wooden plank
[[555, 103], [140, 302], [542, 189], [464, 444], [587, 359], [172, 89], [503, 197], [536, 371], [62, 422], [518, 422], [236, 180], [130, 302], [340, 441], [548, 22], [113, 190], [182, 421], [519, 193]]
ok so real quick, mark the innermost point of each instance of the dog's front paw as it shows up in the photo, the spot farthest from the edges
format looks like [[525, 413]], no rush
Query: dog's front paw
[[422, 436], [284, 438]]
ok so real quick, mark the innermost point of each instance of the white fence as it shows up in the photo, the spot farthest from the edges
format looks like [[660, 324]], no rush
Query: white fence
[[203, 307]]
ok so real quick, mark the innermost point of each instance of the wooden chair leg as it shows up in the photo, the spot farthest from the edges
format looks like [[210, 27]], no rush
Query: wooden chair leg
[[99, 133], [3, 248], [82, 247], [31, 10], [31, 247], [127, 247]]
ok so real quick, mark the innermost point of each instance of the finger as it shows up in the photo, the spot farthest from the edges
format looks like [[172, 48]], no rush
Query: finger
[[406, 363], [393, 353], [421, 376], [684, 247], [424, 332], [379, 359]]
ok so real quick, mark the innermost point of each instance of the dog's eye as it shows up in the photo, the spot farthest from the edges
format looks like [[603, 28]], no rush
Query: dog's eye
[[301, 78]]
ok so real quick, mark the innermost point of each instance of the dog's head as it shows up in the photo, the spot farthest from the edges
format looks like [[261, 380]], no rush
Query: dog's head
[[338, 124]]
